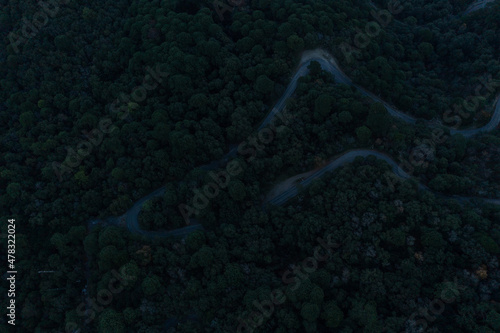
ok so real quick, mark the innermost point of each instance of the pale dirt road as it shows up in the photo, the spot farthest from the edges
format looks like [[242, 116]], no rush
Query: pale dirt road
[[288, 189]]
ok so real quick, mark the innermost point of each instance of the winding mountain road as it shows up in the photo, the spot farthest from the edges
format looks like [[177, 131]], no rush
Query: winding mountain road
[[289, 189], [477, 5]]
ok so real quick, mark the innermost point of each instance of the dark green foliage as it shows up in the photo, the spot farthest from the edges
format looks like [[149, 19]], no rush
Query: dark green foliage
[[81, 140]]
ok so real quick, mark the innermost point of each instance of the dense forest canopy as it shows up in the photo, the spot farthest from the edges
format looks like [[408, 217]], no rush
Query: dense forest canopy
[[103, 102]]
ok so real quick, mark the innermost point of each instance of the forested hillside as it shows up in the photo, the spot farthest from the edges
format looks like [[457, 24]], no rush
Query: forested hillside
[[103, 102]]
